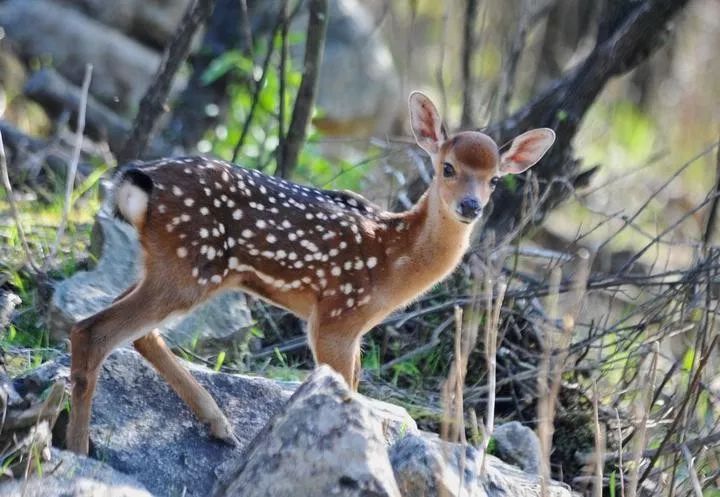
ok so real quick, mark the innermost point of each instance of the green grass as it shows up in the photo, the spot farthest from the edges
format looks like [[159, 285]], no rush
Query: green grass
[[40, 217]]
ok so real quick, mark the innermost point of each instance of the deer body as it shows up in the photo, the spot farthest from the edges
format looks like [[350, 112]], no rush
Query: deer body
[[332, 258]]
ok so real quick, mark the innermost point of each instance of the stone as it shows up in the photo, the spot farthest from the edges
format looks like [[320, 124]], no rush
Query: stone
[[519, 445], [149, 21], [358, 87], [324, 442], [141, 427], [70, 475], [87, 292], [425, 466], [8, 302], [122, 67]]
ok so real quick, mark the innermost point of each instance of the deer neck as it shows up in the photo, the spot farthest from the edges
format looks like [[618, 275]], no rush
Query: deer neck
[[432, 245]]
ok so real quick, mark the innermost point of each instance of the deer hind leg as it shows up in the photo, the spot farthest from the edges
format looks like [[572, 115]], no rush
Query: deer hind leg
[[153, 348], [131, 316]]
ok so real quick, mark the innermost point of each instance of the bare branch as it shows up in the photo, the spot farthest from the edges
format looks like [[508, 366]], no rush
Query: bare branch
[[152, 104], [305, 101], [468, 49], [711, 224], [256, 93], [72, 169], [13, 205]]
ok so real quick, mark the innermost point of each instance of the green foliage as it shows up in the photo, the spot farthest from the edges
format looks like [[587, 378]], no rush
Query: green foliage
[[492, 446], [40, 217], [219, 361], [263, 134]]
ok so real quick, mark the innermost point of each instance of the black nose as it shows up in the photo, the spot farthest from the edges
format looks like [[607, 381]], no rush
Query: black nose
[[469, 207]]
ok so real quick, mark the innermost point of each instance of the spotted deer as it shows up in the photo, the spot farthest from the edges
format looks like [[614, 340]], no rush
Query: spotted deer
[[330, 257]]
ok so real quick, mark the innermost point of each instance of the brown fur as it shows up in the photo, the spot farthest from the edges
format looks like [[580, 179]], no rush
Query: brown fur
[[332, 258]]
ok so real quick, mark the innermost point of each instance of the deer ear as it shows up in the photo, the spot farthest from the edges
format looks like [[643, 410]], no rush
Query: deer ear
[[426, 123], [526, 150]]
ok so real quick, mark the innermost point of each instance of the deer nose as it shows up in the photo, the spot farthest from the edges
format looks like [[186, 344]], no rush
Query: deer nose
[[469, 208]]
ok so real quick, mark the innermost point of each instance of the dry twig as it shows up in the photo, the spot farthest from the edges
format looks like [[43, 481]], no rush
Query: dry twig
[[13, 206], [305, 100], [152, 103], [72, 168]]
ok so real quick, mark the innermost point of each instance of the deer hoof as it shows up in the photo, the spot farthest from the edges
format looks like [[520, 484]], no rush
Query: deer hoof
[[223, 430]]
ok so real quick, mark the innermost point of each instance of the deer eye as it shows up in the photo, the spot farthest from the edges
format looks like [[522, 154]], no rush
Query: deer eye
[[494, 181], [448, 170]]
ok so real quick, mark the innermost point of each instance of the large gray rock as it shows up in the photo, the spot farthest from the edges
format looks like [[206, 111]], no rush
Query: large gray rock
[[141, 428], [87, 292], [519, 445], [70, 475], [151, 21], [325, 442], [427, 467], [359, 86], [123, 68]]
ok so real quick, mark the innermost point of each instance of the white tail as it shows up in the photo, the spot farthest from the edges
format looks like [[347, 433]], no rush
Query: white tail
[[330, 257]]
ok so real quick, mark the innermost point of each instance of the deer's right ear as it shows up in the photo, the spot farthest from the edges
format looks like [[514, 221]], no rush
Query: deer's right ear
[[426, 123]]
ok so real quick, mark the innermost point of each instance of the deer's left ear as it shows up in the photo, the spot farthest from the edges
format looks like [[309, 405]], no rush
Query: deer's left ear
[[526, 150]]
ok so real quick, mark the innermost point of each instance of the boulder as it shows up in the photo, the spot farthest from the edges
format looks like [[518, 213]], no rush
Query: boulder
[[8, 302], [324, 442], [359, 87], [70, 475], [519, 445], [141, 428], [425, 466], [150, 21], [123, 68], [87, 292]]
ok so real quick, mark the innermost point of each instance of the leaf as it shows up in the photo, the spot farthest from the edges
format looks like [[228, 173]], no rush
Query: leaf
[[223, 64]]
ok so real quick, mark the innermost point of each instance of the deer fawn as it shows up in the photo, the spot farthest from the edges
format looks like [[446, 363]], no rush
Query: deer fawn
[[330, 257]]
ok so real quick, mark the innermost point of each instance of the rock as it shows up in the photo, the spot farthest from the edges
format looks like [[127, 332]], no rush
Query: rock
[[325, 442], [87, 292], [519, 445], [122, 67], [427, 467], [70, 475], [8, 302], [358, 87], [141, 428], [150, 21]]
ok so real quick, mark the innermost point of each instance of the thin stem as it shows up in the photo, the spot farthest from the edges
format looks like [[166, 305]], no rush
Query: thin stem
[[305, 100], [72, 169], [13, 205]]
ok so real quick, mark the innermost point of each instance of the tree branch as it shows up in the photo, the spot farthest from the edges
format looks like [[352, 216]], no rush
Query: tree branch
[[629, 35], [152, 104], [468, 49], [305, 100]]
